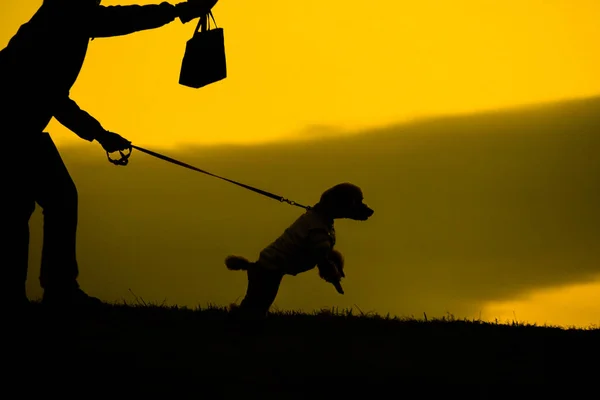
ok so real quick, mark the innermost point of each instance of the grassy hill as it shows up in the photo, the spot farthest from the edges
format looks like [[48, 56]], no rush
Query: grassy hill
[[151, 346]]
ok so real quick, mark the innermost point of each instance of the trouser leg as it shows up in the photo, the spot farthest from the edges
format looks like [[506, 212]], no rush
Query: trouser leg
[[17, 205], [56, 193]]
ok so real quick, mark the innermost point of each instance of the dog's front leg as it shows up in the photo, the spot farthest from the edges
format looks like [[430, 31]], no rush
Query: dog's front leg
[[329, 272]]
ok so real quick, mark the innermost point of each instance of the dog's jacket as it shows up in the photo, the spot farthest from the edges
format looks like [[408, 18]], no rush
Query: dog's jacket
[[296, 250]]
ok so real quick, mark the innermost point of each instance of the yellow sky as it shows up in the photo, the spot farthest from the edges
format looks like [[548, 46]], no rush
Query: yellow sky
[[332, 65], [296, 65], [573, 305]]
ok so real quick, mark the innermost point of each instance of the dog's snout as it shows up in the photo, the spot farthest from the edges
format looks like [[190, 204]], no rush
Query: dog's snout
[[365, 213]]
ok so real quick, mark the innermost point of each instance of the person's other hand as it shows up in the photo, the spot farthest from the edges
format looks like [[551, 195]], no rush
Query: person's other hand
[[111, 142], [191, 9]]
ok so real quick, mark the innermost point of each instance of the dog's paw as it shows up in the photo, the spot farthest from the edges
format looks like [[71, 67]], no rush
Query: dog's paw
[[338, 287]]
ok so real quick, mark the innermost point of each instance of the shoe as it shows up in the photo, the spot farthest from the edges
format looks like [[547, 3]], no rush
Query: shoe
[[13, 298], [15, 307], [71, 299]]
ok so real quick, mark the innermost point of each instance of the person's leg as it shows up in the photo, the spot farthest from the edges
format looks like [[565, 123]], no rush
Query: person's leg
[[17, 207], [263, 285], [56, 193]]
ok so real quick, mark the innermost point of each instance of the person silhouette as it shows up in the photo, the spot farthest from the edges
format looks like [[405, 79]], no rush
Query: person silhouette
[[38, 67]]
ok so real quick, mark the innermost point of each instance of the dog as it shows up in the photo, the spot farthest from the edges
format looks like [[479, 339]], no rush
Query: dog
[[307, 243]]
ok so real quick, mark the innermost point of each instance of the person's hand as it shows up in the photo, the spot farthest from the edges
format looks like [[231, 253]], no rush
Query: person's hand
[[112, 142], [191, 9]]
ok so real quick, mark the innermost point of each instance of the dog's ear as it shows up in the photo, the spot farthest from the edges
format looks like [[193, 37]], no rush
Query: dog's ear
[[340, 197]]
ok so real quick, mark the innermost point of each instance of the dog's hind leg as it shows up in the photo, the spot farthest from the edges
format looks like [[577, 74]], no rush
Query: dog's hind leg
[[263, 286]]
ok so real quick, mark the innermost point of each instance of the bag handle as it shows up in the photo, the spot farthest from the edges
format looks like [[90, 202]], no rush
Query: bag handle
[[204, 22]]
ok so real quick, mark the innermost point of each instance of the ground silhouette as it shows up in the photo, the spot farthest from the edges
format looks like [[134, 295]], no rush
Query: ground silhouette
[[150, 347]]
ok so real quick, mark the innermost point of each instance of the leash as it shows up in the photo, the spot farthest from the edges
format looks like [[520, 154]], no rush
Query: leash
[[125, 159]]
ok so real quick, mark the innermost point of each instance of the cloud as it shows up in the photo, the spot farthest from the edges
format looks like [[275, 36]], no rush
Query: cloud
[[469, 209]]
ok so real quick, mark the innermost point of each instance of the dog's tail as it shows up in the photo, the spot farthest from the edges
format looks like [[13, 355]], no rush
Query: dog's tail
[[237, 263]]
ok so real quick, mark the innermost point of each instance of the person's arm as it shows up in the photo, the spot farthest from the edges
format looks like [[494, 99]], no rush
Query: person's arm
[[108, 21], [68, 114]]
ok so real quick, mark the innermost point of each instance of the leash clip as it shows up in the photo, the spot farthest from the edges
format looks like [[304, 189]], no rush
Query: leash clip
[[293, 203], [123, 160]]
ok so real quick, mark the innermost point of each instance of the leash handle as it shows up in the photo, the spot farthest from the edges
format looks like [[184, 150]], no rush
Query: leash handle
[[123, 160]]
